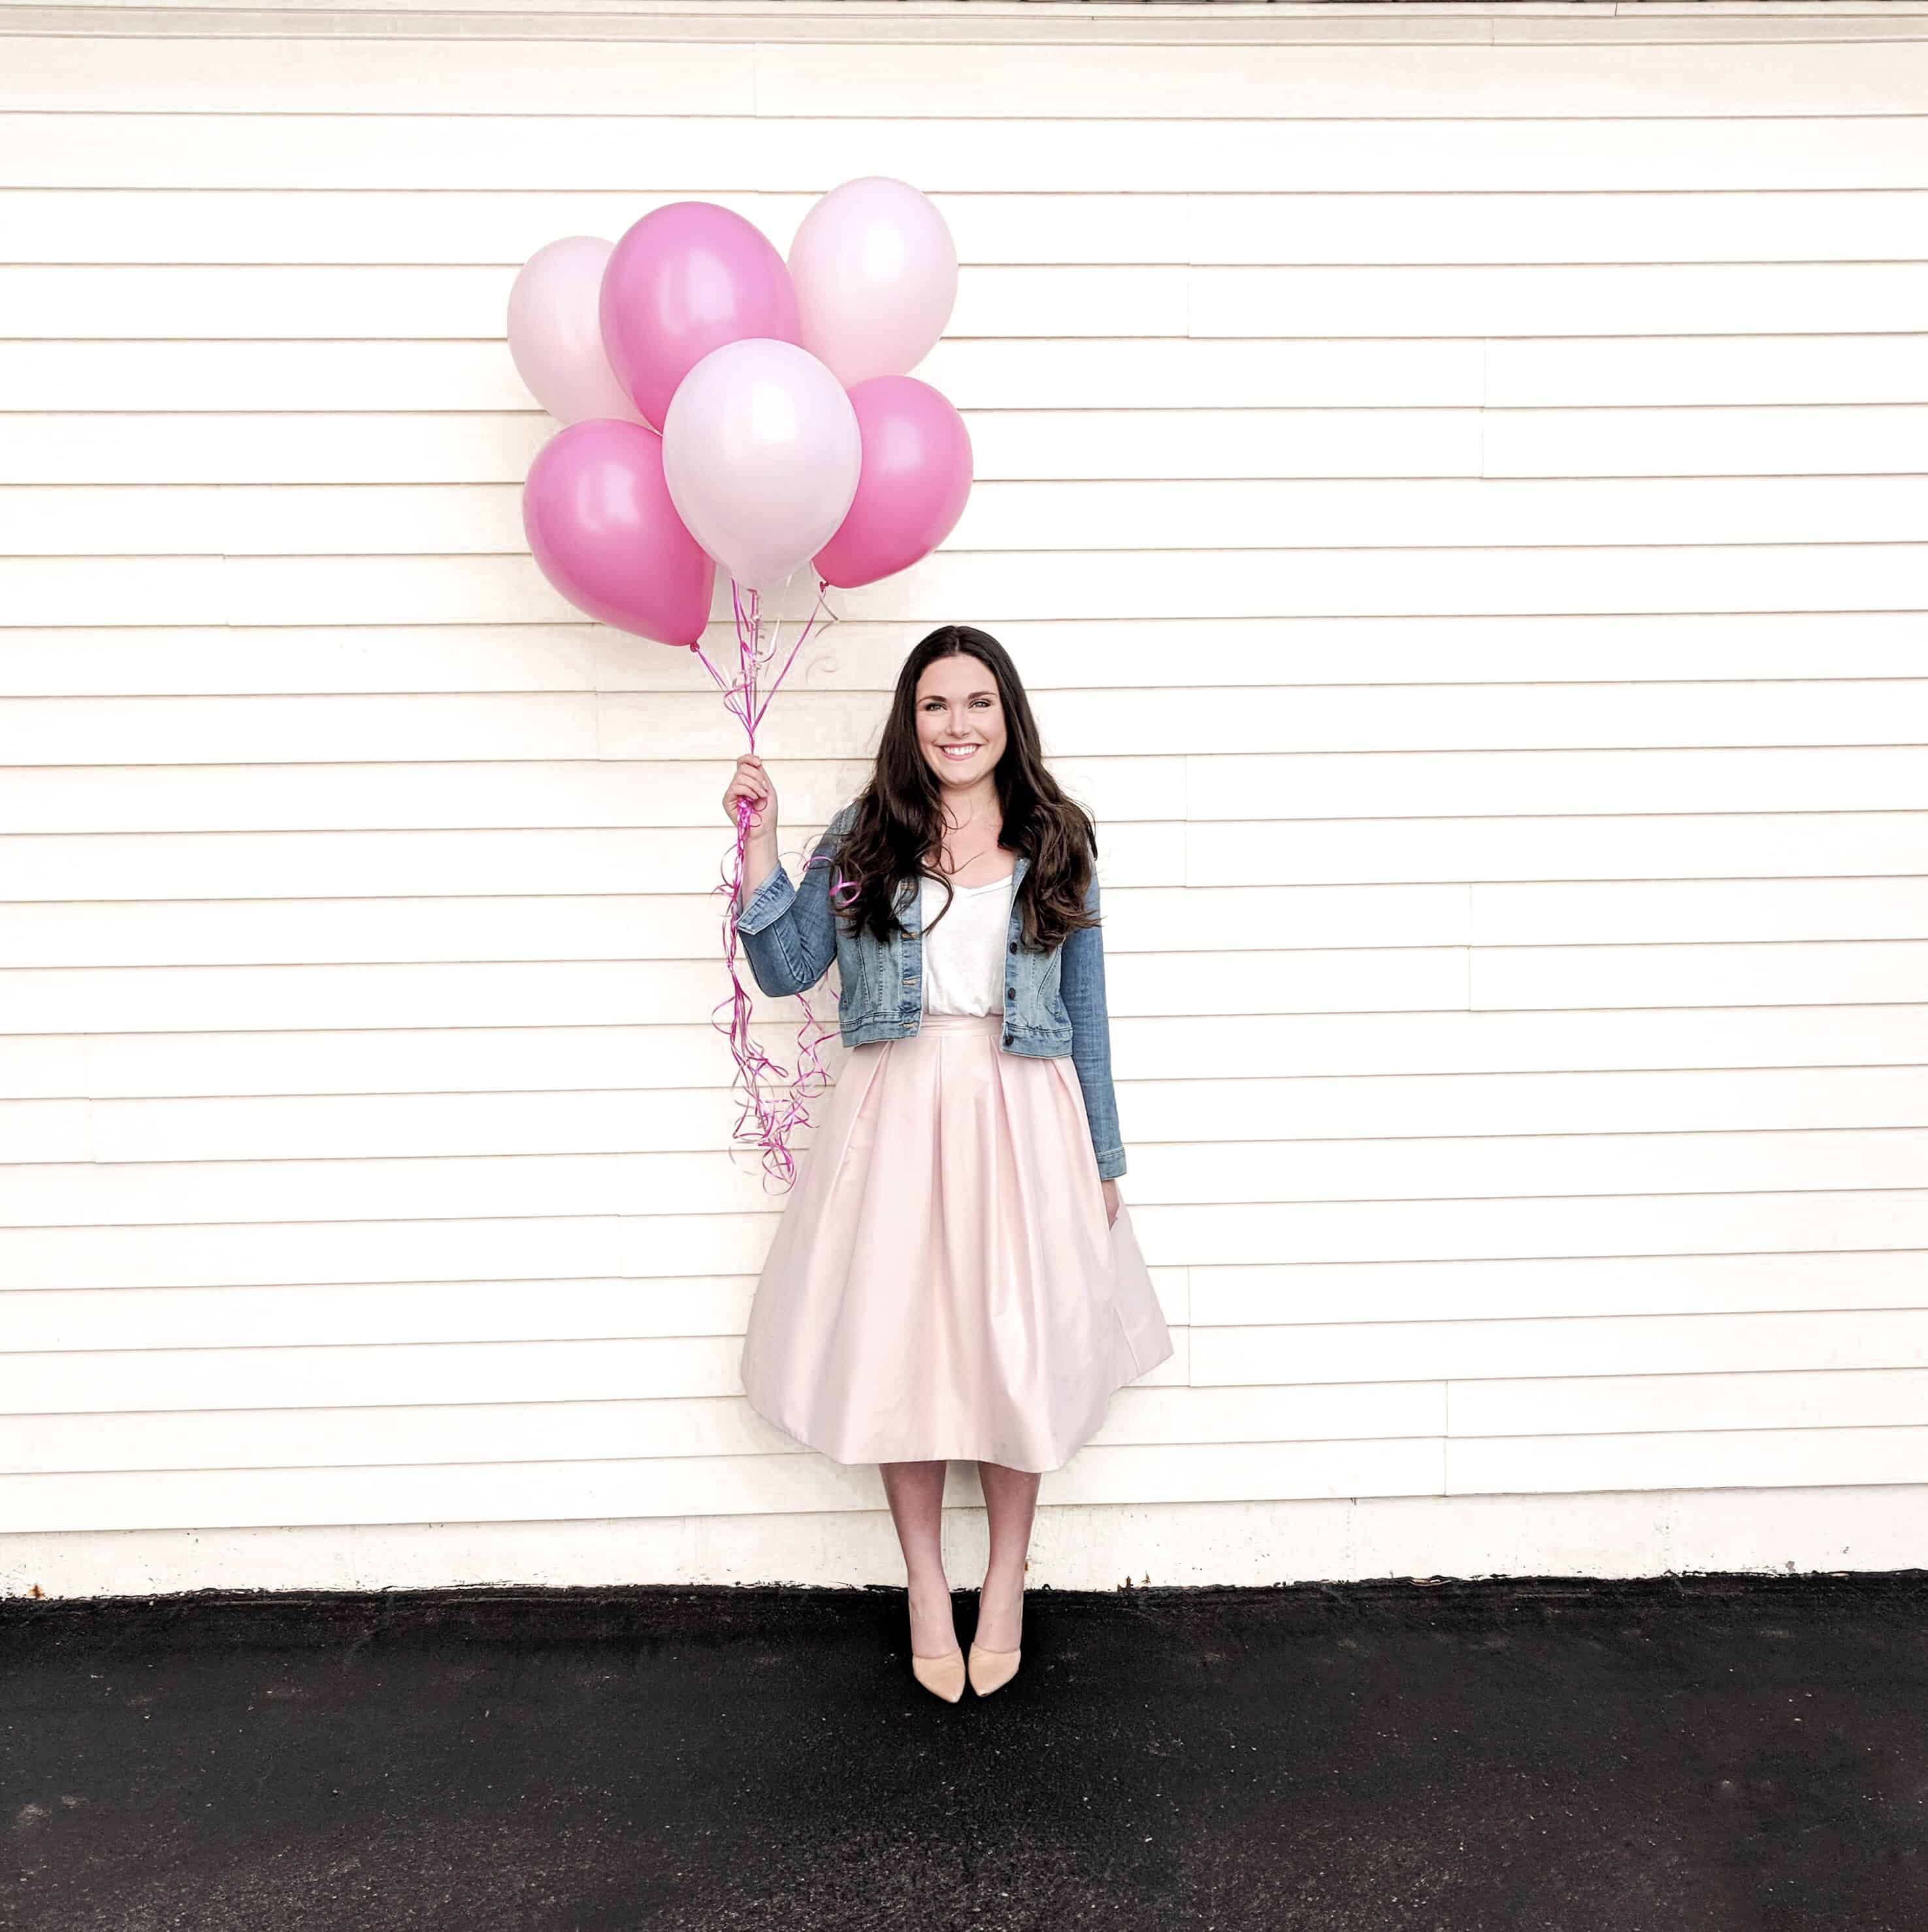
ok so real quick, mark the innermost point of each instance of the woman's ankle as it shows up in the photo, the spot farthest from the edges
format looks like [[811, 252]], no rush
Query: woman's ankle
[[1003, 1579], [933, 1629], [1000, 1615]]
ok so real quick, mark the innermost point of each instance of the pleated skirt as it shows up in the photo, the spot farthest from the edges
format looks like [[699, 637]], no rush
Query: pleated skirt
[[942, 1283]]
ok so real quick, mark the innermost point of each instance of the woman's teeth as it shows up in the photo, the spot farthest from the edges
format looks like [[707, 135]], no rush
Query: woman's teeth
[[958, 752]]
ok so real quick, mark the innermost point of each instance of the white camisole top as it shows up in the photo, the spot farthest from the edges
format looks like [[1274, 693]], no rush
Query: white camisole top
[[963, 958]]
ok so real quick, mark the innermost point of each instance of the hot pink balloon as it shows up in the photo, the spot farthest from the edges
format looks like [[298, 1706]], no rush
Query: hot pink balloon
[[687, 278], [555, 332], [913, 486], [761, 452], [875, 273], [600, 522]]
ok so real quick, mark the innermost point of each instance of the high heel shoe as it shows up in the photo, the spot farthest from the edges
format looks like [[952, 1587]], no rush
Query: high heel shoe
[[942, 1675], [988, 1670], [942, 1672]]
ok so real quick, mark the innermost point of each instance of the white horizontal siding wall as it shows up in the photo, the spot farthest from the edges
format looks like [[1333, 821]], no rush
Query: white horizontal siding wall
[[1454, 484]]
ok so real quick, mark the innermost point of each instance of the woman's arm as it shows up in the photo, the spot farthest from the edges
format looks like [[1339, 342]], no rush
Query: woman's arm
[[1081, 986], [789, 932]]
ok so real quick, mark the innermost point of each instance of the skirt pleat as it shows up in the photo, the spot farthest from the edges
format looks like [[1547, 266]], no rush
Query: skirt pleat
[[942, 1283]]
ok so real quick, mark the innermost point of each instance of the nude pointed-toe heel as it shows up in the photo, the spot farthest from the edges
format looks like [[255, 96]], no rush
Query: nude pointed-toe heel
[[989, 1669], [942, 1675]]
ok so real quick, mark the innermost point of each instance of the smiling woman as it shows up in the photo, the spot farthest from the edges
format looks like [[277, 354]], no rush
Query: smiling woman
[[954, 1274]]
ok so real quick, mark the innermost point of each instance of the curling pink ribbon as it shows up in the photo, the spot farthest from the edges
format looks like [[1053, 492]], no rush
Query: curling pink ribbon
[[775, 1120]]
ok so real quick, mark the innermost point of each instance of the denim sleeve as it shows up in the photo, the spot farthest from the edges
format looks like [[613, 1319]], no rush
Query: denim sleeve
[[1081, 986], [789, 933]]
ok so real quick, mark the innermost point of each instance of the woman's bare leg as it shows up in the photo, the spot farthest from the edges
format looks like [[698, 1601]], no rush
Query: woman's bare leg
[[916, 1491], [1010, 1502]]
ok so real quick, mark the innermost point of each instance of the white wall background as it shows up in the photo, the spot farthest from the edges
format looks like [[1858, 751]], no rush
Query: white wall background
[[1453, 480]]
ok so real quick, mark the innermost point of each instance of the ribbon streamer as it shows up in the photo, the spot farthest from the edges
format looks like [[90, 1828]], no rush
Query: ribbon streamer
[[765, 1121]]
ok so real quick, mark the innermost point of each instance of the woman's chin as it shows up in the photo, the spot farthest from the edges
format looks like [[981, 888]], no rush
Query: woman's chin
[[962, 771]]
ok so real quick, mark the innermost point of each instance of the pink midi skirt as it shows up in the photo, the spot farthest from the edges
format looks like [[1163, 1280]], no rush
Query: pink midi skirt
[[942, 1282]]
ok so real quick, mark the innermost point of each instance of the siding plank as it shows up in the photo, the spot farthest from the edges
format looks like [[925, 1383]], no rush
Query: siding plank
[[40, 592], [1094, 447], [1241, 1162], [1214, 1234], [1175, 80], [401, 1123], [1141, 653], [990, 375], [671, 156], [537, 1050], [1392, 850], [357, 728], [294, 519], [414, 230]]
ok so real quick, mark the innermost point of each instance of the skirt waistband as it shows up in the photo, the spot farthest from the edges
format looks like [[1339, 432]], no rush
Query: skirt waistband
[[963, 1022]]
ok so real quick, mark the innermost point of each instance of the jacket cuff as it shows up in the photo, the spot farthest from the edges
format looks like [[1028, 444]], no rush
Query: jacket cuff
[[1111, 1163], [766, 904]]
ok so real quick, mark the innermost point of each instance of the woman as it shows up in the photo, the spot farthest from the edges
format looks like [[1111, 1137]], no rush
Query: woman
[[954, 1274]]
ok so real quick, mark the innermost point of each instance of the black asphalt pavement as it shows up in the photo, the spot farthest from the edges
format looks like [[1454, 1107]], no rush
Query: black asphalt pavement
[[1738, 1753]]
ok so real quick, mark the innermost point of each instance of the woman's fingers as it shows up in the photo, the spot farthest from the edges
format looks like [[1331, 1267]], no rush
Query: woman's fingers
[[749, 780]]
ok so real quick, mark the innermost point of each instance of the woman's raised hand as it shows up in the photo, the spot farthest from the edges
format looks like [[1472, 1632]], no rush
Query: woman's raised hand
[[749, 780]]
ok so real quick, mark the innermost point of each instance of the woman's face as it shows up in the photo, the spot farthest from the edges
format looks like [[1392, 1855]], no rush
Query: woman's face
[[957, 705]]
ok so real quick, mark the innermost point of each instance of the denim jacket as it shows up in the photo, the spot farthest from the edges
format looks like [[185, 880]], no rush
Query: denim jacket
[[1054, 1002]]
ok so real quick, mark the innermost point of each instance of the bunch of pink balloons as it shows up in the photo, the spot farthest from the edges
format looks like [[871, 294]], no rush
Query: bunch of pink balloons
[[722, 407]]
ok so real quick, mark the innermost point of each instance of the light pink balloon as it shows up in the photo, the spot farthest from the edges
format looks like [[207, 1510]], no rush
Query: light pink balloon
[[914, 483], [687, 278], [555, 332], [875, 273], [761, 451], [604, 531]]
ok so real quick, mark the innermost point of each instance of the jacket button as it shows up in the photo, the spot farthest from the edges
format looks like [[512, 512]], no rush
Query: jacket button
[[1007, 1039], [1013, 945], [1010, 992]]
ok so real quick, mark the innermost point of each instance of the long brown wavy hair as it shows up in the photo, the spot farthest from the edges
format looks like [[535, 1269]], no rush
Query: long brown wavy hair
[[899, 815]]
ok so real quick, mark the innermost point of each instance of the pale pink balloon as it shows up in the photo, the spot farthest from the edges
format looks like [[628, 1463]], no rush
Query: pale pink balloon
[[686, 279], [914, 482], [604, 531], [555, 332], [761, 452], [875, 273]]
